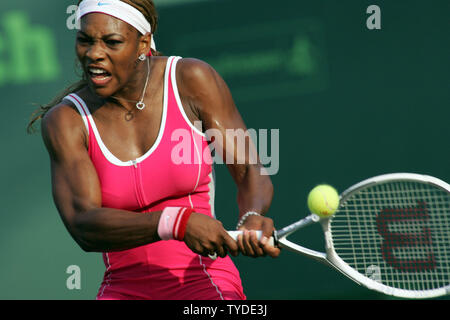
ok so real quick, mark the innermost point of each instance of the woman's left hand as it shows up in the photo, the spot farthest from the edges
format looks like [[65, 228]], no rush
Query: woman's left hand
[[248, 243]]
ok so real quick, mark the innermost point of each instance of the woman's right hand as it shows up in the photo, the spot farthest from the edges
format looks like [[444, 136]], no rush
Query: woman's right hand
[[205, 236]]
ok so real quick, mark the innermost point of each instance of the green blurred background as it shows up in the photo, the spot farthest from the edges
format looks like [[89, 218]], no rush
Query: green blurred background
[[349, 103]]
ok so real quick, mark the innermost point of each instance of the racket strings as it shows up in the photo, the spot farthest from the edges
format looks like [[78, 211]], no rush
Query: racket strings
[[397, 233]]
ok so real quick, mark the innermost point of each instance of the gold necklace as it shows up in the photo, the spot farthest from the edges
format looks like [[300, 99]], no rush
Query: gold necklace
[[129, 115]]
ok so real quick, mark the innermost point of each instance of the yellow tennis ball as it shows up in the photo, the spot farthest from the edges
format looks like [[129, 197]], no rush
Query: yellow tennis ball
[[323, 200]]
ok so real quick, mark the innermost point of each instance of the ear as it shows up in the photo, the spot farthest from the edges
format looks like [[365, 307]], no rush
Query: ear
[[145, 43]]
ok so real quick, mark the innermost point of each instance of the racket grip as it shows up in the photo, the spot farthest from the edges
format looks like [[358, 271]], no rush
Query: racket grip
[[235, 234]]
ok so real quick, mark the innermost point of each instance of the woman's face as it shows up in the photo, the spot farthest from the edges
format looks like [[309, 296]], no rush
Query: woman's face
[[108, 49]]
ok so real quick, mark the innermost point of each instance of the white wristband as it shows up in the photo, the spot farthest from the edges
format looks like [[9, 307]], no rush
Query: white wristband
[[167, 222], [245, 216]]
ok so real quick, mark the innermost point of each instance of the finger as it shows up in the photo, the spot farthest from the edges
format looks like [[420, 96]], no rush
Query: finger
[[247, 244], [231, 245], [216, 248], [255, 243], [269, 249], [268, 227], [221, 251], [240, 243], [208, 249], [199, 249]]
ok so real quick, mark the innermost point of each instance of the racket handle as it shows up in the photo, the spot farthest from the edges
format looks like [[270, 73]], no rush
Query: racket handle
[[235, 234]]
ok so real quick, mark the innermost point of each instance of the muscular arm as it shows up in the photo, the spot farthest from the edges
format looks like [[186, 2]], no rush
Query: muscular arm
[[77, 195], [205, 91], [208, 95]]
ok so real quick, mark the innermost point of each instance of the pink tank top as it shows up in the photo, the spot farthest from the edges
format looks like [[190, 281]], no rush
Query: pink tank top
[[175, 172]]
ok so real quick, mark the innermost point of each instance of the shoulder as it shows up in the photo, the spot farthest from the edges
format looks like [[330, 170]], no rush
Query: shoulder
[[198, 71], [194, 66], [61, 124], [196, 77], [63, 115]]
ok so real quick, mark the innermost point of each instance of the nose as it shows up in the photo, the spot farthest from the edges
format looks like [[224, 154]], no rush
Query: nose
[[95, 52]]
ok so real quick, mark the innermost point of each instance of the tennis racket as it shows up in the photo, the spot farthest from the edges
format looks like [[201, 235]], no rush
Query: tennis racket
[[391, 234]]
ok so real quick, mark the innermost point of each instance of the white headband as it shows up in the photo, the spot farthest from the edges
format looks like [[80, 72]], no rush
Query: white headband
[[119, 10]]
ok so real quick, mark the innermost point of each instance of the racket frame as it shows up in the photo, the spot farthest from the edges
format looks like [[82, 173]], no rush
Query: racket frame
[[331, 258]]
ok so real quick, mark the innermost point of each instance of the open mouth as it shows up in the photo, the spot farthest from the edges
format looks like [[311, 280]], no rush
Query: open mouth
[[99, 76]]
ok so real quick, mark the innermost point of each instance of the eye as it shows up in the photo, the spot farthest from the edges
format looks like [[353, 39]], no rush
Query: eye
[[83, 40], [112, 42]]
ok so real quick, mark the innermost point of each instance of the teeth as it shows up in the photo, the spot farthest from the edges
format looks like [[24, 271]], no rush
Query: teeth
[[96, 71]]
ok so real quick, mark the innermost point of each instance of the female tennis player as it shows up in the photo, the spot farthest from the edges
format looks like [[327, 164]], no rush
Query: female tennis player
[[115, 184]]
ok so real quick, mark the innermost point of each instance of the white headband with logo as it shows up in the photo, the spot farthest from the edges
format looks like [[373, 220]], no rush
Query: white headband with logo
[[119, 10]]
